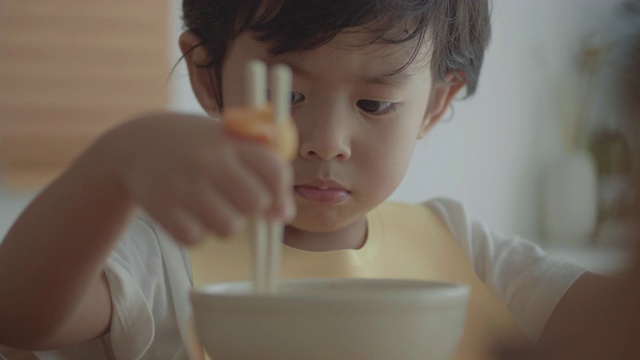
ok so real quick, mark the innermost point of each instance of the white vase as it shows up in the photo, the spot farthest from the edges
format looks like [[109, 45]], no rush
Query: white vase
[[570, 204]]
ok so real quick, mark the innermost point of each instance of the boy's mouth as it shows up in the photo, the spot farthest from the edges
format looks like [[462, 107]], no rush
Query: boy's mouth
[[323, 192]]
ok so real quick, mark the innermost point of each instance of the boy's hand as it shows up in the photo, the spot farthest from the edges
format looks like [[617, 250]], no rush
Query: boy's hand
[[193, 177]]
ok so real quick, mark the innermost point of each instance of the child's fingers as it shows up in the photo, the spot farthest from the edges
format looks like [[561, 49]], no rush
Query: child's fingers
[[242, 188], [276, 175], [181, 225], [216, 213]]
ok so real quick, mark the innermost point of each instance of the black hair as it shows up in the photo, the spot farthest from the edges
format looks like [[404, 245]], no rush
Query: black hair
[[459, 29]]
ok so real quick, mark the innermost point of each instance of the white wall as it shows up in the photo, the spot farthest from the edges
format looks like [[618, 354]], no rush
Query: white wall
[[492, 153]]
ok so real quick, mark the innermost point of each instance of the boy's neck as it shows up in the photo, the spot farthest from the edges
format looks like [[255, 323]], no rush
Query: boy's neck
[[352, 237]]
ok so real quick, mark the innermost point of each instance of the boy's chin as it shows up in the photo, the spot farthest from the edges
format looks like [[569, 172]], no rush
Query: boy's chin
[[317, 225], [327, 220]]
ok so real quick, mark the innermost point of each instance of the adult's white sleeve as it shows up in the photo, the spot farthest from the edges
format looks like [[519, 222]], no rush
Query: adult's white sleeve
[[530, 281]]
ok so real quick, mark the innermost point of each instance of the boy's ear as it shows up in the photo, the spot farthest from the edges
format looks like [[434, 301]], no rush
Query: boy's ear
[[441, 97], [202, 83]]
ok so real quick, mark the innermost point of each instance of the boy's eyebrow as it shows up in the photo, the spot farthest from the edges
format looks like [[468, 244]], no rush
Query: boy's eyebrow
[[393, 78]]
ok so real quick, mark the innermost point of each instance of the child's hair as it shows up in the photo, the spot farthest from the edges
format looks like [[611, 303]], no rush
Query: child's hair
[[459, 29]]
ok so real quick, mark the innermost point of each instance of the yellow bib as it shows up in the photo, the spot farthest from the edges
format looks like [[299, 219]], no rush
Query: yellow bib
[[404, 242]]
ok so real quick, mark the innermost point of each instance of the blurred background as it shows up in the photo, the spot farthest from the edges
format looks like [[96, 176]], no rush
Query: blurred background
[[540, 133]]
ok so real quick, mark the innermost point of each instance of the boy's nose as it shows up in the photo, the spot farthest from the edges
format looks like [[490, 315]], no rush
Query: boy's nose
[[325, 137], [325, 147]]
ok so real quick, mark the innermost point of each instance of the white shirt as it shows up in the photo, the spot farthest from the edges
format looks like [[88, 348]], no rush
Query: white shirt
[[144, 324]]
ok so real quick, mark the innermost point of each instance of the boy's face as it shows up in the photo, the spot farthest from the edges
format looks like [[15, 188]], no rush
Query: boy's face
[[357, 123]]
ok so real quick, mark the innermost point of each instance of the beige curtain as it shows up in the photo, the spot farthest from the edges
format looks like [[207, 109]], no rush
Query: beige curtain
[[69, 70]]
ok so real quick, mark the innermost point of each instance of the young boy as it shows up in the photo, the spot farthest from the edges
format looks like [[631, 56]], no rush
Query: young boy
[[371, 77]]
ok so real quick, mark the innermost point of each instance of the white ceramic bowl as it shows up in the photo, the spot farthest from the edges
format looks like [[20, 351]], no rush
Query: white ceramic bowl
[[331, 319]]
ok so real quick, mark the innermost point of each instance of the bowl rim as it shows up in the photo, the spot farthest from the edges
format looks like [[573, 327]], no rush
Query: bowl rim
[[414, 292]]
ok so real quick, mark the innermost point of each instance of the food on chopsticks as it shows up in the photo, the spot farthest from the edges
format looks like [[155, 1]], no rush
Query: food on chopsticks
[[258, 124], [259, 120]]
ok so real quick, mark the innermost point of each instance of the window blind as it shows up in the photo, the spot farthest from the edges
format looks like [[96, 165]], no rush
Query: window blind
[[71, 69]]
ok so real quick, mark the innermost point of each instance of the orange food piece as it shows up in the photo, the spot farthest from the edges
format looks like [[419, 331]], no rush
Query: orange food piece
[[259, 125], [287, 141]]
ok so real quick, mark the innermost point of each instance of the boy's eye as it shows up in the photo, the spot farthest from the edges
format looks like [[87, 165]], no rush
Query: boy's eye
[[375, 107], [296, 97]]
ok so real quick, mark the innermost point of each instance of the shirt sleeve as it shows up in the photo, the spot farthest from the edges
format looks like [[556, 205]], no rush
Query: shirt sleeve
[[530, 281], [132, 327], [143, 315], [134, 272]]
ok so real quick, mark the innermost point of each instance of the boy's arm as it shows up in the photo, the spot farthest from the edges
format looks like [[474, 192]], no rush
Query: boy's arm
[[53, 289], [185, 171]]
